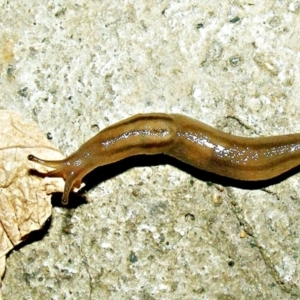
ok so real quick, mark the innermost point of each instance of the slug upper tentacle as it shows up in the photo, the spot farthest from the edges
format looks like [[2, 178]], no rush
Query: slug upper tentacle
[[184, 138]]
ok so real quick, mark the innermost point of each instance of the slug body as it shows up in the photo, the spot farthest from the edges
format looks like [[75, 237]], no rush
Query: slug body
[[184, 138]]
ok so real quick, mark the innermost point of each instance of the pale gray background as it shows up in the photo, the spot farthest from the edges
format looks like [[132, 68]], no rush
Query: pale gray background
[[157, 232]]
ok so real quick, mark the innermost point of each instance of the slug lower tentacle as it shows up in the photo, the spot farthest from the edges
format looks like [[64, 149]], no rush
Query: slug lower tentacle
[[184, 138]]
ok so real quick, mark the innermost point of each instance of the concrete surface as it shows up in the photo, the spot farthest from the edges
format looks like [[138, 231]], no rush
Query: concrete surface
[[154, 228]]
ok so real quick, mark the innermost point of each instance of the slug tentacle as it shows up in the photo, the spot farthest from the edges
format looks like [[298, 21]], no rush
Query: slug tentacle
[[70, 184], [48, 163], [59, 166], [184, 138]]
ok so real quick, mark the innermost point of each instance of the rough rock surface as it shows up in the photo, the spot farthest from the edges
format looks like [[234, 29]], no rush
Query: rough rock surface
[[154, 228]]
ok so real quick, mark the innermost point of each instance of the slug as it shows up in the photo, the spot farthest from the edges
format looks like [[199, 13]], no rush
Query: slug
[[184, 138]]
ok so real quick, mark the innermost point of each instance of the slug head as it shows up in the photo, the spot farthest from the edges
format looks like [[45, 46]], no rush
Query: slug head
[[67, 169]]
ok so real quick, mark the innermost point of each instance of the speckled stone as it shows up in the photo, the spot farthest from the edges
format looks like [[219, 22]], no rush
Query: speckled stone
[[154, 228]]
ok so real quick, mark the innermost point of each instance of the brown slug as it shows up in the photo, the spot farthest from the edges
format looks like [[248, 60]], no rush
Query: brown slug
[[184, 138]]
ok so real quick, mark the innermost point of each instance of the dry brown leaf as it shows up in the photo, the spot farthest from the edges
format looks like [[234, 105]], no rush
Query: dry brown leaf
[[25, 201]]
